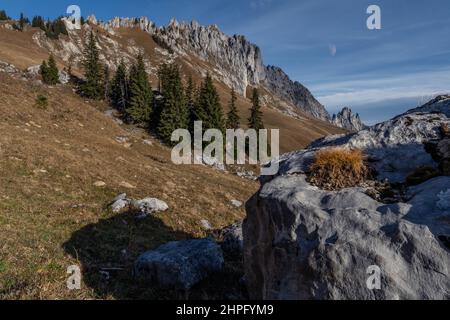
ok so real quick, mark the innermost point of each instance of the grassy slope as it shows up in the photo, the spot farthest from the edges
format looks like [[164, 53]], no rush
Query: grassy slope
[[20, 50], [52, 216], [51, 213]]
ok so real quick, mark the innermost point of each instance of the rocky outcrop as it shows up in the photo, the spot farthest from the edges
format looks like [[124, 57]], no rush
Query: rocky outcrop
[[301, 242], [179, 264], [8, 68], [239, 62], [293, 92], [233, 240], [305, 243], [33, 72], [144, 207], [440, 104], [348, 120]]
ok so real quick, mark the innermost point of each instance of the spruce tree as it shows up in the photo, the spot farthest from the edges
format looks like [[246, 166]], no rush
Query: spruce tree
[[255, 121], [106, 83], [232, 116], [140, 107], [208, 108], [49, 71], [43, 70], [22, 22], [120, 88], [53, 70], [3, 15], [174, 113], [190, 98], [93, 84]]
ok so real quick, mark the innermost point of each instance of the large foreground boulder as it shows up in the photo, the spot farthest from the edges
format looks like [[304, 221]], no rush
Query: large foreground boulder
[[301, 242], [304, 243], [180, 264]]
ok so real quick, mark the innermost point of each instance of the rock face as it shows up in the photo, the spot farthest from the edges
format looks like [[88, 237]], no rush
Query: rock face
[[348, 120], [301, 242], [180, 264], [440, 104], [233, 239], [304, 243], [239, 62], [293, 92]]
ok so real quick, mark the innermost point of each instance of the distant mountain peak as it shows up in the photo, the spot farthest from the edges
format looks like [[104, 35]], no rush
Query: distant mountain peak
[[348, 120]]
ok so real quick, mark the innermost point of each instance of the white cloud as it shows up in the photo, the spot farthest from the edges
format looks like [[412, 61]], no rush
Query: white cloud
[[369, 91]]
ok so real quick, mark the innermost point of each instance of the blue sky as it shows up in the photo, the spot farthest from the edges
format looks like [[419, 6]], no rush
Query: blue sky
[[324, 44]]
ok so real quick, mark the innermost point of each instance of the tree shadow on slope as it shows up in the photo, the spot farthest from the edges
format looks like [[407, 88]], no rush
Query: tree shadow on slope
[[107, 250]]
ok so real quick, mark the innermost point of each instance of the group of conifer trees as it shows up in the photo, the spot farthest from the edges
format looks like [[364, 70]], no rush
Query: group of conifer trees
[[20, 25], [177, 106], [51, 28], [4, 16]]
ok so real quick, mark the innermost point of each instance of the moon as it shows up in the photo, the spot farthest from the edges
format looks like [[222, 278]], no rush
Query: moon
[[333, 49]]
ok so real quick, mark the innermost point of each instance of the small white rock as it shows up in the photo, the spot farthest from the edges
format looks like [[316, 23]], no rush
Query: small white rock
[[205, 224], [120, 205], [99, 184], [236, 203]]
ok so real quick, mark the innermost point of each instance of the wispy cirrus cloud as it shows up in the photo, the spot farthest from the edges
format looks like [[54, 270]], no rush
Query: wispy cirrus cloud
[[260, 4], [369, 91]]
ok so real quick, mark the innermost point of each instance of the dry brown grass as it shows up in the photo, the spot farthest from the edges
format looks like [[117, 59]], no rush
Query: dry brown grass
[[336, 168], [19, 49], [52, 215]]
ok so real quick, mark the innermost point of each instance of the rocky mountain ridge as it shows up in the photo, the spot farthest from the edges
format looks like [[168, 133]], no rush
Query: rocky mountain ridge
[[238, 62], [348, 120]]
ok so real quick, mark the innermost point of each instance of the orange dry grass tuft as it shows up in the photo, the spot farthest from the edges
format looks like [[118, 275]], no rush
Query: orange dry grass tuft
[[337, 168]]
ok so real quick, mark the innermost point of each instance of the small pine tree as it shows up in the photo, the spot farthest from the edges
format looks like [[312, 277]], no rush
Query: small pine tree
[[21, 22], [53, 71], [43, 70], [140, 105], [93, 85], [232, 116], [120, 88], [175, 113], [106, 83], [255, 121], [190, 97], [3, 15], [49, 71], [208, 108]]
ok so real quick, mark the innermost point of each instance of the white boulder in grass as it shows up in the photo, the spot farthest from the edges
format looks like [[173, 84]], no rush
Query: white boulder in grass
[[146, 206], [236, 203], [149, 206], [120, 205]]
